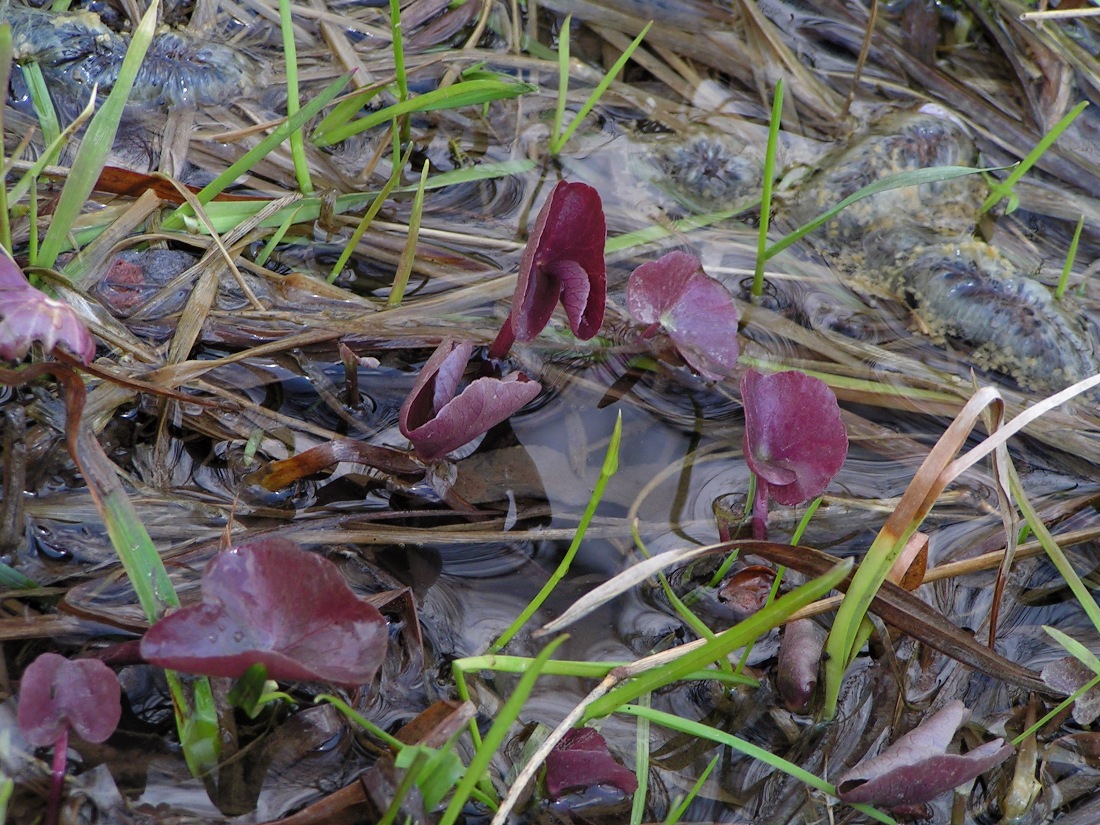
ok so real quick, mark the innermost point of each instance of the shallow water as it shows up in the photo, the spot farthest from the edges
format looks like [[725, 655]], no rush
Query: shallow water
[[680, 455]]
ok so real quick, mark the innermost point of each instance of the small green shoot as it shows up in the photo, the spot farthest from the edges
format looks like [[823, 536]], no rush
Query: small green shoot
[[408, 254], [1003, 189], [43, 106], [766, 190], [609, 468], [558, 137], [1071, 256], [641, 764], [297, 138]]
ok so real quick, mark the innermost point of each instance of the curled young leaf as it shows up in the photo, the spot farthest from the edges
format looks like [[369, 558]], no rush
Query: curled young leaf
[[28, 315], [696, 311], [563, 260], [580, 760], [272, 603], [437, 419], [57, 693], [800, 650], [917, 768]]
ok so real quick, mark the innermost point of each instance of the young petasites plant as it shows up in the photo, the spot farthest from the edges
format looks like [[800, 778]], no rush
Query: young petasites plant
[[794, 439], [563, 260], [271, 603], [697, 312], [438, 419], [57, 694]]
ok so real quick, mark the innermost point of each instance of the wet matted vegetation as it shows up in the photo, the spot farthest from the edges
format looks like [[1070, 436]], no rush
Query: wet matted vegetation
[[482, 412]]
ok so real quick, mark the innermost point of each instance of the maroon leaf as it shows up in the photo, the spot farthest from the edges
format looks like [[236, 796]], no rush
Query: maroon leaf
[[438, 422], [916, 768], [563, 260], [57, 694], [270, 602], [794, 439], [27, 315], [580, 760], [696, 311]]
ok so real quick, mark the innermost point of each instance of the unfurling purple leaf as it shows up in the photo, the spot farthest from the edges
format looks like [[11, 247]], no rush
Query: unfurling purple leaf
[[916, 768], [800, 651], [437, 421], [794, 439], [696, 311], [580, 760], [563, 260], [28, 315], [272, 603], [57, 694]]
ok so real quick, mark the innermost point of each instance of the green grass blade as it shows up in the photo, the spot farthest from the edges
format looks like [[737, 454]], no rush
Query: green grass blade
[[408, 254], [676, 812], [97, 142], [914, 177], [372, 211], [1003, 189], [464, 93], [398, 46], [726, 642], [494, 737], [641, 765], [609, 468], [766, 190], [557, 145], [293, 103], [1071, 256], [280, 133], [42, 104], [563, 85], [702, 731], [1075, 649]]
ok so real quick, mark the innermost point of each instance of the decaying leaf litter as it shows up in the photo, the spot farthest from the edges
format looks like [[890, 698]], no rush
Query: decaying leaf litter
[[215, 363]]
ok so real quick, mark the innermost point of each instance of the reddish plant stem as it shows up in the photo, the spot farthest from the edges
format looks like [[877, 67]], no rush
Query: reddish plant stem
[[504, 340], [57, 776]]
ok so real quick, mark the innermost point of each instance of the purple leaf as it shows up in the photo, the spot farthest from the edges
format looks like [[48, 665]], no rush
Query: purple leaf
[[916, 768], [696, 311], [580, 760], [270, 602], [563, 260], [438, 422], [794, 439], [57, 694], [28, 315]]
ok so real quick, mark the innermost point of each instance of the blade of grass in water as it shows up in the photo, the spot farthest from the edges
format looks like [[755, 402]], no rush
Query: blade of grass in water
[[96, 143], [609, 468], [558, 142], [297, 137], [465, 93], [280, 133], [1003, 189], [725, 643], [913, 177], [702, 731], [1071, 256], [361, 229], [408, 254], [766, 190], [494, 737], [676, 812]]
